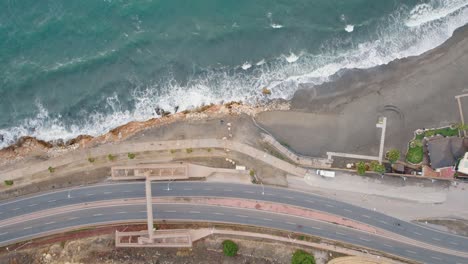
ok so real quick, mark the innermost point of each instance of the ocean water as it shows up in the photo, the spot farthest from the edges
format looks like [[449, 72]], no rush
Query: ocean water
[[84, 67]]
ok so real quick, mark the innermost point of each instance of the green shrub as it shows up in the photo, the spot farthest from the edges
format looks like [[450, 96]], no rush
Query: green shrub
[[189, 150], [252, 173], [173, 151], [8, 182], [91, 160], [131, 155], [415, 154], [51, 169], [208, 149], [361, 168], [393, 155], [111, 157], [302, 257], [377, 167], [230, 248]]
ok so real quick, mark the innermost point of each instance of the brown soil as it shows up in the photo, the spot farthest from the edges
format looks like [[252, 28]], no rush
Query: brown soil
[[455, 226]]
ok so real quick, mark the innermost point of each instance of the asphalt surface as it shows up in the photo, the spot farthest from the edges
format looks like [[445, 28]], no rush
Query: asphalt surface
[[23, 230]]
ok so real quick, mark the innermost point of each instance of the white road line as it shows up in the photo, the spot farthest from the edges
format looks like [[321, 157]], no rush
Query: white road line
[[51, 201], [318, 228], [50, 223], [267, 219], [329, 205], [269, 194], [436, 239], [144, 211], [289, 197], [127, 191], [32, 204], [249, 192], [338, 233], [409, 251], [107, 192], [347, 210], [242, 216], [291, 223], [417, 233], [365, 239], [89, 194], [454, 243], [366, 216], [436, 258], [72, 218], [387, 245], [310, 201], [29, 227], [97, 214], [187, 189], [383, 222], [207, 189], [218, 213], [194, 212], [227, 190], [122, 212], [170, 211], [1, 234], [16, 209]]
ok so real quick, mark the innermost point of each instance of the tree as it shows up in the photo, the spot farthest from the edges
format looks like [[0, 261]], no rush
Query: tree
[[111, 157], [230, 248], [377, 167], [361, 168], [393, 155], [302, 257], [131, 155]]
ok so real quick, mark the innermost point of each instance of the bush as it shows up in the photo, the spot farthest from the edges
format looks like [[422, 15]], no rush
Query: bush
[[189, 150], [111, 157], [252, 173], [302, 257], [377, 167], [91, 160], [393, 155], [173, 151], [131, 155], [415, 154], [51, 169], [208, 149], [230, 248], [361, 168], [8, 182]]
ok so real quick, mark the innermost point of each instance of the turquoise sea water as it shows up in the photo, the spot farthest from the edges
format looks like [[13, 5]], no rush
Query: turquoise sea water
[[84, 67]]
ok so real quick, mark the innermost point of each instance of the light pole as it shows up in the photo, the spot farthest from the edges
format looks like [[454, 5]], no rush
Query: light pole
[[263, 188], [168, 189], [69, 195]]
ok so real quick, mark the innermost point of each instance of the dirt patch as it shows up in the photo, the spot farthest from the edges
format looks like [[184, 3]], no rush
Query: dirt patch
[[454, 226]]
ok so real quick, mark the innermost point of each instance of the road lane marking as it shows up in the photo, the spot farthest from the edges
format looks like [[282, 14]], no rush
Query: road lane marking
[[291, 223], [97, 214], [218, 213], [107, 192], [249, 192], [310, 201], [436, 239], [318, 228], [187, 189], [170, 211], [242, 216], [227, 190], [16, 209], [436, 258], [89, 194], [1, 234], [72, 218], [127, 191], [366, 216], [32, 204], [329, 205], [387, 245], [144, 211], [50, 223], [194, 212], [29, 227], [365, 239], [51, 201], [347, 210], [122, 212], [338, 233], [454, 243], [289, 197], [409, 251], [207, 189], [383, 222], [417, 233], [267, 219], [269, 194]]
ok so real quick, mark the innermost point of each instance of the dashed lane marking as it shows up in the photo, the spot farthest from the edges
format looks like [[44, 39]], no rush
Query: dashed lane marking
[[14, 209], [170, 211], [387, 245], [347, 210], [194, 212], [244, 216], [107, 192], [29, 227], [72, 218], [249, 192], [365, 239], [97, 214], [436, 239], [51, 201], [291, 223], [267, 219], [329, 205], [50, 223], [32, 204], [4, 233], [409, 251], [227, 190], [218, 213], [366, 216], [122, 212], [187, 189], [419, 234]]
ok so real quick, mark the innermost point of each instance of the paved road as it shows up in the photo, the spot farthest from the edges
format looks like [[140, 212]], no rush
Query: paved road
[[136, 190]]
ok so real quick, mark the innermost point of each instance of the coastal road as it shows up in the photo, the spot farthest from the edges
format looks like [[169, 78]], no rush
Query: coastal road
[[89, 194]]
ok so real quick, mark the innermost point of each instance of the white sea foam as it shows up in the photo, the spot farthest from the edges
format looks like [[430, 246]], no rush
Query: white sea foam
[[276, 25], [349, 28], [282, 75], [246, 66], [434, 10], [291, 57]]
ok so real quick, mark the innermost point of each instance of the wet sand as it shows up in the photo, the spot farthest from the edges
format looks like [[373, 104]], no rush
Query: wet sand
[[415, 92]]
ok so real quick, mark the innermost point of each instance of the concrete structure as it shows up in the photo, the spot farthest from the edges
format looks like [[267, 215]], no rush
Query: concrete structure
[[154, 172], [383, 125], [357, 260], [161, 238], [460, 109]]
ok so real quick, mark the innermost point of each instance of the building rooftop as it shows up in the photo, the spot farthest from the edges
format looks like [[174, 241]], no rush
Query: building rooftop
[[445, 151]]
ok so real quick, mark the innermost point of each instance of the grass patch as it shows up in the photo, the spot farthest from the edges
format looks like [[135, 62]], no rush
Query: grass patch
[[91, 160], [111, 157], [173, 151], [446, 131], [189, 150], [8, 182], [415, 154], [131, 155], [51, 169]]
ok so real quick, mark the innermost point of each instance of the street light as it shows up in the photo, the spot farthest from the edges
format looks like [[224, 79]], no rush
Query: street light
[[69, 195], [263, 188], [168, 189]]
